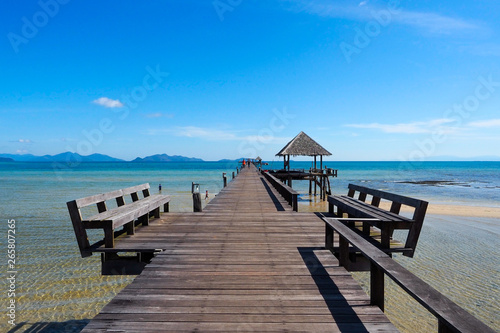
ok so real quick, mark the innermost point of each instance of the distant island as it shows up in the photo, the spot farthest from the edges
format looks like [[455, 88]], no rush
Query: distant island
[[63, 157], [167, 158], [75, 157]]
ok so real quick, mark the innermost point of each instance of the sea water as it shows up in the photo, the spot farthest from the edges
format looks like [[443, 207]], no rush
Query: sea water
[[58, 291]]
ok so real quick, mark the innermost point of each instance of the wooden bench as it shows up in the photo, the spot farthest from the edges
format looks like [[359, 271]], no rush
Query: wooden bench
[[125, 214], [370, 215]]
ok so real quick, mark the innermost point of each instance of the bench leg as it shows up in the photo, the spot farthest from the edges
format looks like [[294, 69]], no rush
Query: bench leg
[[343, 252], [130, 227], [109, 237], [144, 219], [366, 228], [328, 237], [385, 238], [376, 286], [156, 212], [166, 207], [331, 209]]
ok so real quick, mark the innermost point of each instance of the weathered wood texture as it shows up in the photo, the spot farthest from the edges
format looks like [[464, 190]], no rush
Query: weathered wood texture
[[290, 195], [110, 219], [451, 317], [385, 221], [247, 263]]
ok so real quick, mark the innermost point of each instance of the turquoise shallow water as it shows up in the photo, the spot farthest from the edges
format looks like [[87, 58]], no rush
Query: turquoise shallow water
[[59, 291]]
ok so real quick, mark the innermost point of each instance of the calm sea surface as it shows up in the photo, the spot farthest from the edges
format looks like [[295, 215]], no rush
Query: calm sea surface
[[57, 291]]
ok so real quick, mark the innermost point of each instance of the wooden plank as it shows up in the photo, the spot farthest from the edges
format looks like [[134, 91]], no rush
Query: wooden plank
[[94, 199], [135, 189]]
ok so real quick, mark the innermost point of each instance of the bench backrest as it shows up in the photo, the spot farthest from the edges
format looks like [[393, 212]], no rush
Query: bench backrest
[[397, 200], [74, 207]]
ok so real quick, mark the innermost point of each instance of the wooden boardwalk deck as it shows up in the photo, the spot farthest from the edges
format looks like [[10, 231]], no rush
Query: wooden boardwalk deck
[[247, 263]]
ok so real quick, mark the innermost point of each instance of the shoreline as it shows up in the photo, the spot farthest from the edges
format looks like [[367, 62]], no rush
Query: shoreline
[[433, 209], [456, 210], [469, 211]]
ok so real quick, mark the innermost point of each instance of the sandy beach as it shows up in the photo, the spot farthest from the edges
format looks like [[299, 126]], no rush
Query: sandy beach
[[457, 210], [434, 209]]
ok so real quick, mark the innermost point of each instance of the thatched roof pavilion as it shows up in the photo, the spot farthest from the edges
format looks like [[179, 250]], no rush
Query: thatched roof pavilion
[[302, 145]]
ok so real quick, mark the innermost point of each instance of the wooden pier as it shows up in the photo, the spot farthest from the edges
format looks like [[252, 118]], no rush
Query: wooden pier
[[247, 263], [251, 263]]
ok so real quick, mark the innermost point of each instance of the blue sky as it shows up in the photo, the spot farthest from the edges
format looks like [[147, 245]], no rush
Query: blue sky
[[369, 80]]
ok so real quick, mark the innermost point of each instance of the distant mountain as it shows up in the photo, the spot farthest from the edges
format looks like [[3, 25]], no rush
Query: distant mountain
[[19, 158], [6, 159], [63, 157], [167, 158]]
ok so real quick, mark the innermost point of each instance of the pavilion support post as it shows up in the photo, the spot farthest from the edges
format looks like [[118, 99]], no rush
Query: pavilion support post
[[321, 187], [315, 185]]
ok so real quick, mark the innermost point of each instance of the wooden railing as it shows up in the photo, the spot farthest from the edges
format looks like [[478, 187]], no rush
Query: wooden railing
[[290, 195], [450, 316]]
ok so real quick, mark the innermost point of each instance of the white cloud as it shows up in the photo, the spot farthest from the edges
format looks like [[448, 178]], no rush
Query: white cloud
[[486, 123], [443, 125], [434, 23], [205, 133], [408, 128], [265, 139], [159, 115], [429, 21], [108, 102], [24, 141]]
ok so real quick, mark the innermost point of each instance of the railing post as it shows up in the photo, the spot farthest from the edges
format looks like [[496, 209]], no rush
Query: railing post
[[197, 202], [376, 286], [343, 251], [295, 205], [224, 178], [195, 190]]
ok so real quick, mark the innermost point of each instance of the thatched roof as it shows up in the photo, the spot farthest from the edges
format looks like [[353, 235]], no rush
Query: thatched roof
[[303, 145]]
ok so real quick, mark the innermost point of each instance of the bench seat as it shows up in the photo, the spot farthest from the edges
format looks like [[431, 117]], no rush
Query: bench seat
[[357, 208]]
